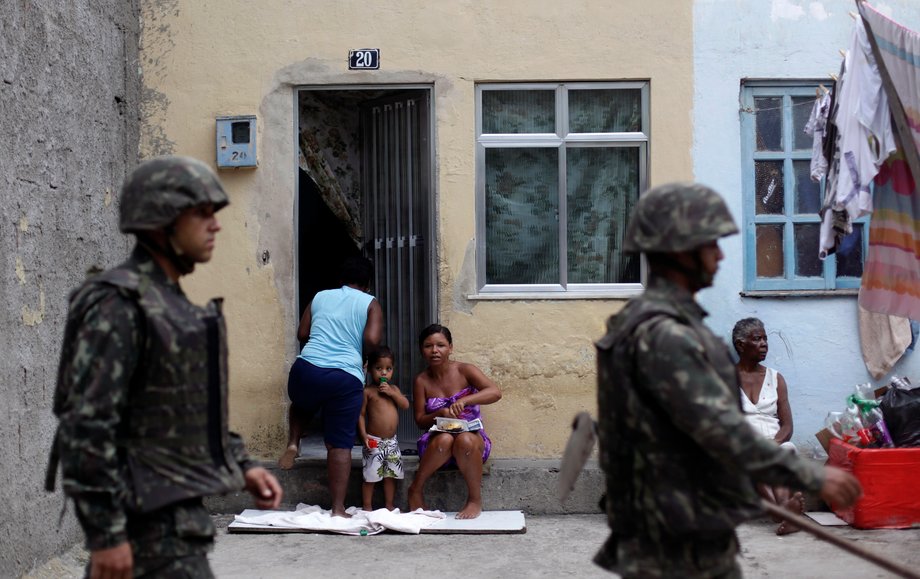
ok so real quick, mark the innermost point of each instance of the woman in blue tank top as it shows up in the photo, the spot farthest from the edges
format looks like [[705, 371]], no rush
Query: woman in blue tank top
[[340, 326]]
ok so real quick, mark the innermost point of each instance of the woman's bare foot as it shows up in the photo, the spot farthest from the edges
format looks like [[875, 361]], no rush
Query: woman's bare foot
[[416, 499], [796, 504], [286, 462], [340, 513], [470, 510]]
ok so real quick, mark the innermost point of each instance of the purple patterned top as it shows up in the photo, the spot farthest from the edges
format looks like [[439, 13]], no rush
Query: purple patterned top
[[469, 413]]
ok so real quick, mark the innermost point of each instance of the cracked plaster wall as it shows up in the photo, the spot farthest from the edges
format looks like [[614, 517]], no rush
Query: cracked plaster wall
[[68, 114]]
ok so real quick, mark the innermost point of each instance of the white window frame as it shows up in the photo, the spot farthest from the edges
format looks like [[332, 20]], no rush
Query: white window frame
[[561, 139]]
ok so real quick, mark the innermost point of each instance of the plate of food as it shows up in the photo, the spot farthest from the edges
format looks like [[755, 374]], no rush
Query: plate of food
[[455, 425]]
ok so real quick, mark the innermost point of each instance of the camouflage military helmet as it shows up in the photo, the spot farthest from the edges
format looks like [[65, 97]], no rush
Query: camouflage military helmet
[[678, 217], [158, 190]]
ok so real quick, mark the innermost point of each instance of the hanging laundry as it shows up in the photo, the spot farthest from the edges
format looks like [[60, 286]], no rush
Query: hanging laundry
[[865, 139], [816, 128], [891, 277]]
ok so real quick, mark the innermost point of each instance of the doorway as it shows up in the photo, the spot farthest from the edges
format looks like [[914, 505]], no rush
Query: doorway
[[365, 188]]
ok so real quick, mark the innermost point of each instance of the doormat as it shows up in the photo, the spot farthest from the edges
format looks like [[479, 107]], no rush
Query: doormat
[[826, 519], [313, 519]]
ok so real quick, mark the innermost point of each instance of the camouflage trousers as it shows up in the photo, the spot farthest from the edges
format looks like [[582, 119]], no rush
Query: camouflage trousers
[[192, 567], [710, 555], [172, 542]]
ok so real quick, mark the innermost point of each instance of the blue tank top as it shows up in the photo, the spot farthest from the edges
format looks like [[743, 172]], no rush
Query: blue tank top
[[337, 320]]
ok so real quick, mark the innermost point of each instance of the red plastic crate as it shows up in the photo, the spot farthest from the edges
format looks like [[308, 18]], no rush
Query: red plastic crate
[[889, 477]]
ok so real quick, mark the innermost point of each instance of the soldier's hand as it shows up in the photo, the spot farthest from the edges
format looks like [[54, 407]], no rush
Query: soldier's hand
[[112, 563], [840, 488], [264, 488]]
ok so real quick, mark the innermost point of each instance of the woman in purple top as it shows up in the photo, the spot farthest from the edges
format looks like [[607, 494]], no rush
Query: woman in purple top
[[450, 389]]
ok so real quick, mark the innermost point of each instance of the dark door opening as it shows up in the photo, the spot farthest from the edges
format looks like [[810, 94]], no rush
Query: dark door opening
[[365, 187]]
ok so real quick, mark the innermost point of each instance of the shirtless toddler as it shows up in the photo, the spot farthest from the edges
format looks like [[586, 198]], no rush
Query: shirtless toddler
[[377, 424]]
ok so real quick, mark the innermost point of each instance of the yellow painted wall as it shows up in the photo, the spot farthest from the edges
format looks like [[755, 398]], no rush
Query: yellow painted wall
[[205, 58]]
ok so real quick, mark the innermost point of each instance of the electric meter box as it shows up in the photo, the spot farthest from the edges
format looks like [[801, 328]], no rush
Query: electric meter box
[[236, 142]]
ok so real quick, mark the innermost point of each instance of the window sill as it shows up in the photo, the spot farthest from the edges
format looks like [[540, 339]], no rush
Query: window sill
[[849, 292], [561, 296]]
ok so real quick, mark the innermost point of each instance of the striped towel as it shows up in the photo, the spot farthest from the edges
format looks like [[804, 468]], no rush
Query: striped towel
[[891, 278]]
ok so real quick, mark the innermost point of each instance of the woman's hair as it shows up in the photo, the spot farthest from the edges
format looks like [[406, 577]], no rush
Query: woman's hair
[[378, 353], [434, 329], [356, 270], [743, 328]]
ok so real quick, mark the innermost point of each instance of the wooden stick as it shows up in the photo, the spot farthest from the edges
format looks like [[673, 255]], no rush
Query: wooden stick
[[820, 532]]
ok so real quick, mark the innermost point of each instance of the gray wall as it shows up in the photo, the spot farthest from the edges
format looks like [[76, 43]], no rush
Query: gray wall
[[69, 126]]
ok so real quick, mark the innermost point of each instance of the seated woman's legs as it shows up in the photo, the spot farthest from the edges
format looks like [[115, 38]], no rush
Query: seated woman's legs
[[467, 451], [434, 457], [782, 496]]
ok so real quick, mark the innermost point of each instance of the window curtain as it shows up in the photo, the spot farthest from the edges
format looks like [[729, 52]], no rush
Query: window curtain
[[314, 164]]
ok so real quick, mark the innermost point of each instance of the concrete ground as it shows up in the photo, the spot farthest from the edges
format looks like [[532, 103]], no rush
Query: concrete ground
[[553, 546]]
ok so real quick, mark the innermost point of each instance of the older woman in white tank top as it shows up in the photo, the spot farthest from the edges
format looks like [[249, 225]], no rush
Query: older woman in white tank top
[[765, 402]]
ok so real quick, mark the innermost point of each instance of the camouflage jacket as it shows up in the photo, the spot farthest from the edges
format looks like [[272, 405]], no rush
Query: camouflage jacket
[[142, 400], [678, 455]]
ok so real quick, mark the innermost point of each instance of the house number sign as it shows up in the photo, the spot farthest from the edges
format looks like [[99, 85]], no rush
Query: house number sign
[[364, 59]]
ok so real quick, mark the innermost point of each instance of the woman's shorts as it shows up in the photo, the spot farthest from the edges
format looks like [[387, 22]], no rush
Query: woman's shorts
[[335, 392]]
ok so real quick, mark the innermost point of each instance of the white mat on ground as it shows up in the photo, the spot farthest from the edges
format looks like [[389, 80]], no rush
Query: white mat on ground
[[826, 519], [312, 519]]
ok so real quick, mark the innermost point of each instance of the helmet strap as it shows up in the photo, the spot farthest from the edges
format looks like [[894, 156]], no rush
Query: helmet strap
[[164, 246], [695, 276], [182, 262]]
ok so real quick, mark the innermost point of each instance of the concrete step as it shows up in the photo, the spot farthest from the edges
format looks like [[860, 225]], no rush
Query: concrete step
[[527, 485]]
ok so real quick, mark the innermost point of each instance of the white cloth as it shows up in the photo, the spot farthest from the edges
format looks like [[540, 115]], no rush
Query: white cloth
[[816, 128], [314, 518], [864, 121], [865, 137], [763, 415]]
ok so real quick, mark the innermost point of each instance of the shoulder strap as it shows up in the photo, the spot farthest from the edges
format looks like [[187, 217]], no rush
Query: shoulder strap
[[129, 291]]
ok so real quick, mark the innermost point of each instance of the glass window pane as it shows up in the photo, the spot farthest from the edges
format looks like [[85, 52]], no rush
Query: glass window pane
[[603, 187], [769, 193], [850, 254], [770, 250], [518, 111], [605, 111], [769, 111], [522, 209], [807, 263], [801, 110], [807, 192]]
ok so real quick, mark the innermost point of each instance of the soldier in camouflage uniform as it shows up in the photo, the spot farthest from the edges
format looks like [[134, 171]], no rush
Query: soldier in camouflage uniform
[[142, 389], [678, 455]]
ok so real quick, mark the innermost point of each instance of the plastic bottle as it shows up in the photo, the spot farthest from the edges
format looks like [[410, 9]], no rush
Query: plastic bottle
[[845, 425], [901, 383], [874, 433]]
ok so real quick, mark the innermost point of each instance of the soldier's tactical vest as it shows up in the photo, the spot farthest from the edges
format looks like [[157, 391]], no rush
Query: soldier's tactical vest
[[174, 438], [657, 478]]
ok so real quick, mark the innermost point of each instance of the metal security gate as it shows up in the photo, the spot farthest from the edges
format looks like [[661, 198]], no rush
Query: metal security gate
[[396, 182]]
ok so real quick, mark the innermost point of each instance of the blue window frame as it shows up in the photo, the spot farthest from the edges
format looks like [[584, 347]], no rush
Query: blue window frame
[[781, 202]]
